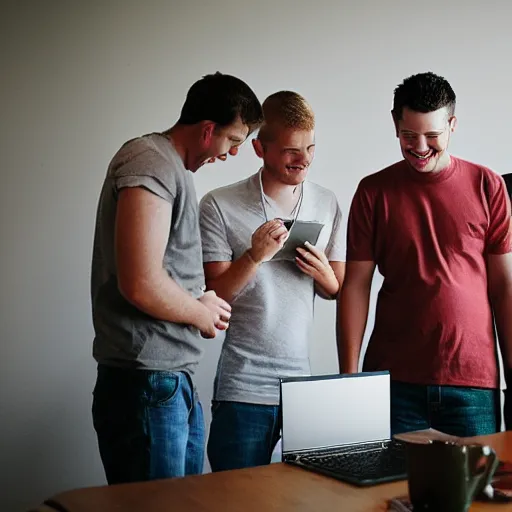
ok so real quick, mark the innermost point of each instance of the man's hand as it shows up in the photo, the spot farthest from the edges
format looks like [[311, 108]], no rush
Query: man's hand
[[314, 263], [267, 240], [217, 314]]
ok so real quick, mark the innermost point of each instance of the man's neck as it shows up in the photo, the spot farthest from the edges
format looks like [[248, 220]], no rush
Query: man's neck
[[275, 188], [283, 194], [443, 163], [178, 136]]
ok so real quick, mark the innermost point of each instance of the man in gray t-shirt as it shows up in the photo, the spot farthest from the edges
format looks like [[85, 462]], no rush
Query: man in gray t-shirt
[[243, 228], [149, 308]]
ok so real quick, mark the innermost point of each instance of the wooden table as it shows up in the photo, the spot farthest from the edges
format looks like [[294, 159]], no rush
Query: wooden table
[[277, 487]]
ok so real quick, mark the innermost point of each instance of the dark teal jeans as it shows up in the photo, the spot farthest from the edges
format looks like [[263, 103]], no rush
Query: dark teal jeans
[[149, 424], [458, 411], [242, 435]]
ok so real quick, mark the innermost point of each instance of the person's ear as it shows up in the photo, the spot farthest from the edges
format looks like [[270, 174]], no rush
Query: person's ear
[[258, 147], [395, 122], [207, 130], [453, 123]]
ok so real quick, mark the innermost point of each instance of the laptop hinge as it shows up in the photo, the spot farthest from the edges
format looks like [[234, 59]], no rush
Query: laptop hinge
[[287, 455]]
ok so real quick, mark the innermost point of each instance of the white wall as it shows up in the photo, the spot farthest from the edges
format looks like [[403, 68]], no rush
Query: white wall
[[78, 79]]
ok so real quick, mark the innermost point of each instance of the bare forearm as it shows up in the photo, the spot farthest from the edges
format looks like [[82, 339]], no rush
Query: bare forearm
[[353, 305], [329, 287], [502, 307], [324, 293], [231, 282], [162, 298]]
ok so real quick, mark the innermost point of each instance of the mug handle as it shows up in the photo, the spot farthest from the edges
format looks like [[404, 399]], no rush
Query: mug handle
[[483, 478]]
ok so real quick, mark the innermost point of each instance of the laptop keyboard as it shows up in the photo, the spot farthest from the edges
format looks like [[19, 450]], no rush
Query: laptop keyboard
[[371, 461]]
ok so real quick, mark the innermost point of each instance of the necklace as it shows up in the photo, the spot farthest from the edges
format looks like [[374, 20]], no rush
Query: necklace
[[264, 200]]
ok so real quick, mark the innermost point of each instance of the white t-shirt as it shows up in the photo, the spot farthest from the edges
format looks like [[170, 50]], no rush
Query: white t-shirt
[[272, 317]]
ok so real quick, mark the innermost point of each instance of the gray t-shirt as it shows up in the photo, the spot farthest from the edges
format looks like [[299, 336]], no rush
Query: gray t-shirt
[[124, 335], [272, 316]]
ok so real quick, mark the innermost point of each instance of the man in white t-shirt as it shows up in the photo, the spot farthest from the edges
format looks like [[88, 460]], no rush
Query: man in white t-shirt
[[242, 230]]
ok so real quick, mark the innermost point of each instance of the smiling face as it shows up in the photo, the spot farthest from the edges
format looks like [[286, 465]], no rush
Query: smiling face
[[217, 142], [287, 155], [424, 138]]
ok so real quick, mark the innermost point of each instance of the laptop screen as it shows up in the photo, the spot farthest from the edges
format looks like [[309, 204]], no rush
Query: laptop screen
[[333, 410]]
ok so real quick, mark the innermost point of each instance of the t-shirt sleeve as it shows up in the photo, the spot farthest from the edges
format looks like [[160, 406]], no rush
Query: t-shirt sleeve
[[214, 236], [335, 250], [144, 168], [499, 235], [147, 182], [360, 235]]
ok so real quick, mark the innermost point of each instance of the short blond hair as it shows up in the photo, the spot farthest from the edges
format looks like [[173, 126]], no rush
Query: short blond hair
[[285, 109]]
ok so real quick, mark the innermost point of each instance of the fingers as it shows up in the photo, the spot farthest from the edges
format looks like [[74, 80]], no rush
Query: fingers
[[220, 322], [270, 225], [221, 325], [310, 258], [274, 224], [278, 232], [224, 315], [224, 306], [212, 298], [222, 312], [317, 252], [208, 334], [282, 238], [305, 267]]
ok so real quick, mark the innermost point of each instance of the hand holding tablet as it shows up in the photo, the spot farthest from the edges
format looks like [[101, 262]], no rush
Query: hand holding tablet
[[299, 233]]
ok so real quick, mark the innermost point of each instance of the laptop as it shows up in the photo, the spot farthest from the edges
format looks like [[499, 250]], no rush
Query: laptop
[[508, 183], [340, 426]]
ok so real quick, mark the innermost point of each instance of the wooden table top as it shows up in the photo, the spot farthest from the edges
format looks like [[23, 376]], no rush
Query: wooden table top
[[276, 487]]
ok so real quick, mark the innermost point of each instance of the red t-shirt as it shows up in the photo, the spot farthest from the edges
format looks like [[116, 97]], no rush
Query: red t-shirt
[[429, 235]]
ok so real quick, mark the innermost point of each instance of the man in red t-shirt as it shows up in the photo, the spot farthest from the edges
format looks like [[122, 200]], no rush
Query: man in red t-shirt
[[438, 229]]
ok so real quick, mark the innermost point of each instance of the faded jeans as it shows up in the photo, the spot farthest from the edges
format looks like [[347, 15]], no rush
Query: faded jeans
[[459, 411], [149, 424], [242, 435]]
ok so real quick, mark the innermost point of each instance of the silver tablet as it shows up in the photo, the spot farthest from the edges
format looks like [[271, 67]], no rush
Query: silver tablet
[[301, 231]]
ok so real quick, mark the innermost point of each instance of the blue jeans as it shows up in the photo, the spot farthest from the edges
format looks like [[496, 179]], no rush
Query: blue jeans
[[458, 411], [149, 424], [242, 435]]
